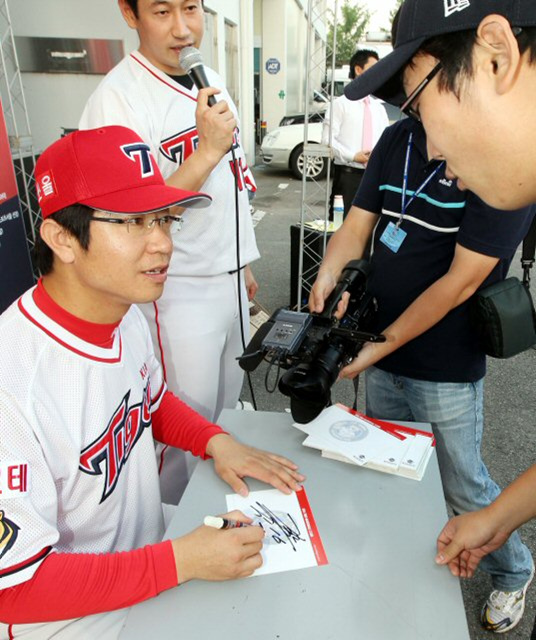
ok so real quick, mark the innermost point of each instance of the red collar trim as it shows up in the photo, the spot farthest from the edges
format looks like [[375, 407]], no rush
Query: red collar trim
[[101, 335], [162, 80]]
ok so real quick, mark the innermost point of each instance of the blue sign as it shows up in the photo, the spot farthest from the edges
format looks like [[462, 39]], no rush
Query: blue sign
[[273, 66]]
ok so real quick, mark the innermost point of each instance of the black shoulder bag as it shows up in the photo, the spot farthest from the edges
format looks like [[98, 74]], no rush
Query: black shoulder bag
[[503, 313]]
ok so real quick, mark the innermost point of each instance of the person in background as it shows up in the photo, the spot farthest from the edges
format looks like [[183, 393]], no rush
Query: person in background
[[356, 126], [201, 321]]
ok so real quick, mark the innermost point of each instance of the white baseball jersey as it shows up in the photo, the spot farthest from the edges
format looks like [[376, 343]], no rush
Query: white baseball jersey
[[136, 94], [75, 424]]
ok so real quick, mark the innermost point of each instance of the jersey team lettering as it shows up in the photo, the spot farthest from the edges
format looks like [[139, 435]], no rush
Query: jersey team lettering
[[14, 479], [111, 450], [179, 147], [241, 172]]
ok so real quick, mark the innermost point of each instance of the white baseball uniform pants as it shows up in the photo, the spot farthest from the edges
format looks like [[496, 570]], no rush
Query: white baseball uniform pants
[[197, 326]]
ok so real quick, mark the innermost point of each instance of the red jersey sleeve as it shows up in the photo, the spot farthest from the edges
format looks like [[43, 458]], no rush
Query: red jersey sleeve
[[75, 585], [178, 425]]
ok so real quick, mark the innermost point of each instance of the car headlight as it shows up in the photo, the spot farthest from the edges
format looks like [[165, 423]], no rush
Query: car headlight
[[270, 138]]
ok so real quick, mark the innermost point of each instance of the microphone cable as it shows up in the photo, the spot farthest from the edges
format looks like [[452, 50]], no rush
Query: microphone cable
[[238, 282]]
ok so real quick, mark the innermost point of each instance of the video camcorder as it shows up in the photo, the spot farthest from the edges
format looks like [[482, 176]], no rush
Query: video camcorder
[[314, 347]]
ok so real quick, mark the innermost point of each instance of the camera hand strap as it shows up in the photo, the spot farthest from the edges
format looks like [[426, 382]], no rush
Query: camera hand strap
[[529, 249]]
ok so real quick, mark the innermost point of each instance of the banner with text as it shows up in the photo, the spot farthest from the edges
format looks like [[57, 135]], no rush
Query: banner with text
[[16, 273]]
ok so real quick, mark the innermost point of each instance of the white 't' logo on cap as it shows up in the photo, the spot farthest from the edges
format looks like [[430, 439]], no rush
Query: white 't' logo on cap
[[451, 6]]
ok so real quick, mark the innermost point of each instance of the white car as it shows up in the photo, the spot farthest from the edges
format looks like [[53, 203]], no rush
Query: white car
[[283, 148]]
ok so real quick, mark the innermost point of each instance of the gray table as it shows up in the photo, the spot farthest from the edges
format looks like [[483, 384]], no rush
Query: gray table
[[379, 534]]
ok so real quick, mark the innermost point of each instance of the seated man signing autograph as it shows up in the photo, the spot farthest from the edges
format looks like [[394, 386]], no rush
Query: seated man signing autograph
[[83, 398]]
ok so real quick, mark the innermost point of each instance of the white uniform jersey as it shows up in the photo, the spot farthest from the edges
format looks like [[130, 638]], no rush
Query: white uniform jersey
[[75, 425], [136, 94]]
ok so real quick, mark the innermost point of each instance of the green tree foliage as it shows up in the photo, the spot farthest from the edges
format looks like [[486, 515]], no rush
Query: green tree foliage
[[351, 27], [395, 9]]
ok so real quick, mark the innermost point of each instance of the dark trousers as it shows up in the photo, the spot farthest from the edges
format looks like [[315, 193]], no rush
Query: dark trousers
[[346, 181], [533, 634]]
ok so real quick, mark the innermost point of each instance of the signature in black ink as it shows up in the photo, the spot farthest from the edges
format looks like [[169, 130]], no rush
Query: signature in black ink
[[281, 532]]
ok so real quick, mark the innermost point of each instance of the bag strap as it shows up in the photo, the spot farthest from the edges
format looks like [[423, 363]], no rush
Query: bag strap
[[529, 249]]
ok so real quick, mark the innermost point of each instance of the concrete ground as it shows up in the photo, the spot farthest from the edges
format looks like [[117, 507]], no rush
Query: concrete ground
[[509, 444]]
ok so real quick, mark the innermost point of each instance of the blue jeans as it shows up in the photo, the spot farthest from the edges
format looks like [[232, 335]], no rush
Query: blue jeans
[[455, 410]]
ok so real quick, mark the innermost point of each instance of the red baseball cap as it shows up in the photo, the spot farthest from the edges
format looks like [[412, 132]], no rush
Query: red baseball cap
[[110, 169]]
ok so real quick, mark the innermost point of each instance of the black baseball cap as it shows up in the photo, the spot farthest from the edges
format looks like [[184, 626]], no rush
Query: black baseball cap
[[420, 20]]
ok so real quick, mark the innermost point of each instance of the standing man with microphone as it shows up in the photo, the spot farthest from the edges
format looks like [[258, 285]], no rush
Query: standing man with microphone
[[197, 324]]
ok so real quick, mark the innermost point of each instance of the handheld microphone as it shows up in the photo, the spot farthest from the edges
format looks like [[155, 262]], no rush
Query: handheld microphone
[[191, 61]]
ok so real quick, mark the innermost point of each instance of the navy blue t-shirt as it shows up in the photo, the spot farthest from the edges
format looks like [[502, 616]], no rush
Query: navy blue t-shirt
[[439, 218]]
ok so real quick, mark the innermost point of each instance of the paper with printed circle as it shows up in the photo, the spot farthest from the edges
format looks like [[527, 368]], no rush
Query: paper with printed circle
[[351, 436]]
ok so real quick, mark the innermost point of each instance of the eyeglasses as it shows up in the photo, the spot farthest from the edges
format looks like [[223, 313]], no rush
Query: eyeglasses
[[406, 107], [143, 225]]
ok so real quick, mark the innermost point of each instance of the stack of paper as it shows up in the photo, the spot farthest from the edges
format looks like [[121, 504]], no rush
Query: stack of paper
[[346, 435], [320, 225], [258, 315]]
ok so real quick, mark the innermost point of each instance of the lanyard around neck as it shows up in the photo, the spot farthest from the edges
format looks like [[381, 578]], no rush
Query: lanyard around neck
[[405, 204]]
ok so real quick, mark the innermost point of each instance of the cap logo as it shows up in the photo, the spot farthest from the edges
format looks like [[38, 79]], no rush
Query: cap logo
[[46, 187], [452, 6], [140, 151]]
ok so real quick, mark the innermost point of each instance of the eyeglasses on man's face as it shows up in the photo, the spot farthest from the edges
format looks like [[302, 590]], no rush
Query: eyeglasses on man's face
[[407, 107], [143, 225]]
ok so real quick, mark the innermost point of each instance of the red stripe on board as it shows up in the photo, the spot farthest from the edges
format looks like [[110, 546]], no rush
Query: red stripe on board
[[312, 529], [399, 429], [396, 430]]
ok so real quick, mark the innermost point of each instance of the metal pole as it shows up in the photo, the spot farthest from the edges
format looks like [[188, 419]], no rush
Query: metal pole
[[310, 31], [309, 150]]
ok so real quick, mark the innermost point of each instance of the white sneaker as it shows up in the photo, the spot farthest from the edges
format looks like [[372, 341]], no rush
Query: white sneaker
[[504, 609]]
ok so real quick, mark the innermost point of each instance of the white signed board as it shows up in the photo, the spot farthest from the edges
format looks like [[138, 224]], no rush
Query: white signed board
[[292, 540]]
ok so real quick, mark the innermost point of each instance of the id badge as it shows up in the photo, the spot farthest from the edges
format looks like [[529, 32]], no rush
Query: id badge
[[393, 237]]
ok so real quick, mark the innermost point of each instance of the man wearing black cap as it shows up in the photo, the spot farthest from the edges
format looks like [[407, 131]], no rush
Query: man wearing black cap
[[433, 247], [467, 69]]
